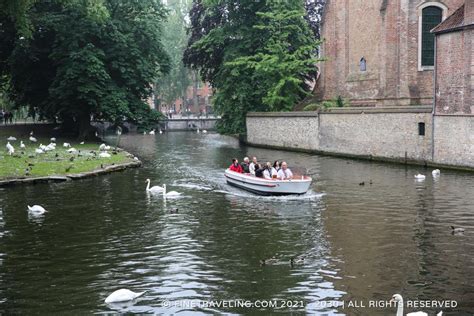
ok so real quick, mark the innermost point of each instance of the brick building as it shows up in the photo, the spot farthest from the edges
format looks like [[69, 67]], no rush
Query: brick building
[[454, 78], [200, 105], [380, 52]]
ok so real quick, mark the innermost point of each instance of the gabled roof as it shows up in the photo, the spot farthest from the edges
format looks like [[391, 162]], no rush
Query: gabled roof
[[453, 23]]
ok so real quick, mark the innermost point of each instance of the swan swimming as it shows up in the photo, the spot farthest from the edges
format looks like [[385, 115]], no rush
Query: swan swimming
[[436, 172], [420, 176], [155, 188], [36, 209], [204, 131], [397, 298], [169, 194], [123, 295]]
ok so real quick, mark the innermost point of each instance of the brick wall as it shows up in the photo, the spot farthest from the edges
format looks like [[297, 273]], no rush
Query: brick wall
[[387, 36]]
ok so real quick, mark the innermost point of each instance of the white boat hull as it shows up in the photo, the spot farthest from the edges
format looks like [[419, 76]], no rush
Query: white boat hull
[[267, 186]]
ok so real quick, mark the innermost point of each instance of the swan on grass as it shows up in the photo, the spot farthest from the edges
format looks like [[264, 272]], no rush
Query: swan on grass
[[104, 155], [36, 209], [397, 298], [123, 295], [33, 139], [22, 145], [155, 188], [66, 145], [420, 177], [171, 193], [11, 139], [10, 149], [152, 132]]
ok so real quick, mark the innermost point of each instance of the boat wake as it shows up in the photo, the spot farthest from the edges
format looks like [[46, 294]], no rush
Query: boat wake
[[310, 195]]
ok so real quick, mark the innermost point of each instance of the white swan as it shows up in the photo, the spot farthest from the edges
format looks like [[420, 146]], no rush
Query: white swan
[[66, 145], [152, 132], [10, 149], [161, 132], [104, 155], [39, 151], [436, 172], [81, 143], [204, 131], [11, 139], [123, 295], [36, 209], [197, 131], [397, 298], [102, 147], [155, 188], [33, 139], [22, 145], [72, 150], [53, 139], [169, 194], [420, 176]]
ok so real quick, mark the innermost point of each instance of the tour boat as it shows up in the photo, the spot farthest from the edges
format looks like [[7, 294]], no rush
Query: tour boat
[[298, 185]]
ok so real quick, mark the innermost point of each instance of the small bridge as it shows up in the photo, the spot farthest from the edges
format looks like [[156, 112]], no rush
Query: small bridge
[[189, 124]]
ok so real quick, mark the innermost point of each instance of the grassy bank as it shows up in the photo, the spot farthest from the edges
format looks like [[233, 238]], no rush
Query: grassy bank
[[26, 163]]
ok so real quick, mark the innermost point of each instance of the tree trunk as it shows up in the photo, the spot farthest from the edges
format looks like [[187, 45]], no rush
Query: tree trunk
[[85, 128]]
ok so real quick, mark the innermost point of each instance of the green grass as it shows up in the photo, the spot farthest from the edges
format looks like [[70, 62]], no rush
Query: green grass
[[55, 162]]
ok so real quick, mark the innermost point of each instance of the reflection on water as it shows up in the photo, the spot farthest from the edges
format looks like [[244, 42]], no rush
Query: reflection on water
[[359, 242]]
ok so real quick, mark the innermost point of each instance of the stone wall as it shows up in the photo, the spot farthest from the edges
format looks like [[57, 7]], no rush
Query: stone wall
[[374, 133], [454, 140]]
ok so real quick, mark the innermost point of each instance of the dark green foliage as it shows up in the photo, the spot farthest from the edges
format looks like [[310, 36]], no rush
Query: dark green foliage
[[77, 64], [258, 55]]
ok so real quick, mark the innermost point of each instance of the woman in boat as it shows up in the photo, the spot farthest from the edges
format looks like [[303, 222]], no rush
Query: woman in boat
[[275, 169], [267, 173], [235, 166]]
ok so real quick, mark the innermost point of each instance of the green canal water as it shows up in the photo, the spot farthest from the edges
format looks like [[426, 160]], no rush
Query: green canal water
[[361, 243]]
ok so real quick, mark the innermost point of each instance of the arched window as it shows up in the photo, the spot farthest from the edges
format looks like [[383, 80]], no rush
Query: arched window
[[431, 16], [363, 64]]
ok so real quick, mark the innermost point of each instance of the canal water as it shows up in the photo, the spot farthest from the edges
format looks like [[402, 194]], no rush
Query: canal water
[[361, 243]]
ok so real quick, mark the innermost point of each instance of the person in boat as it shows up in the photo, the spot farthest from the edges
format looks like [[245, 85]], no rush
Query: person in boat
[[275, 168], [246, 165], [267, 173], [285, 173], [259, 169], [235, 166], [253, 165]]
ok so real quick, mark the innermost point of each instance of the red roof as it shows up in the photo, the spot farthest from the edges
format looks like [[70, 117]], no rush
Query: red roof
[[453, 23]]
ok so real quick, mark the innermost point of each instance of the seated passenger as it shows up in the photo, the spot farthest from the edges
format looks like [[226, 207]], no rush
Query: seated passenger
[[235, 166], [276, 167], [253, 165], [267, 171], [259, 170], [285, 173], [245, 165]]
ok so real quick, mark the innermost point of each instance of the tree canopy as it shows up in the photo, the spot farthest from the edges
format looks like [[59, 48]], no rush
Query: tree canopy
[[76, 64], [257, 55]]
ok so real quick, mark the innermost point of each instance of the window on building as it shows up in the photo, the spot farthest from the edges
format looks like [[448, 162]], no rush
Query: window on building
[[431, 16], [363, 64], [421, 129]]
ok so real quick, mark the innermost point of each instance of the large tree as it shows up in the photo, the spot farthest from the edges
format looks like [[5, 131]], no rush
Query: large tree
[[258, 55], [76, 65], [174, 85]]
